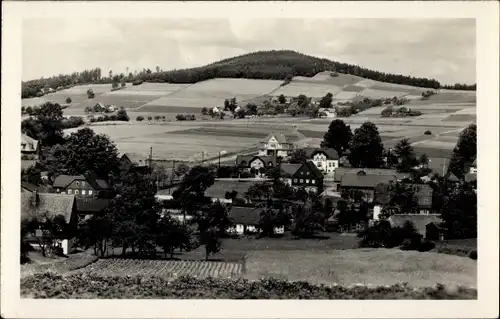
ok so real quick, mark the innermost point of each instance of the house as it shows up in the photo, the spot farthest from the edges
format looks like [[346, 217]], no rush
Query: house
[[421, 222], [223, 187], [329, 113], [28, 187], [341, 171], [433, 231], [246, 221], [325, 159], [473, 167], [81, 186], [364, 182], [37, 205], [423, 194], [134, 161], [305, 175], [256, 162], [30, 148], [276, 144], [90, 206]]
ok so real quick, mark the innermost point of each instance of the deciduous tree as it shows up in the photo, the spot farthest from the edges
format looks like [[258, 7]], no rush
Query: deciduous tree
[[337, 137], [366, 147]]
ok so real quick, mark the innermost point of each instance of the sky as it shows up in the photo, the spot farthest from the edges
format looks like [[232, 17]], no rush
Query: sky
[[444, 49]]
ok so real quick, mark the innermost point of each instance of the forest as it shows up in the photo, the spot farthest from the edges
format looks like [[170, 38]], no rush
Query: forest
[[275, 65]]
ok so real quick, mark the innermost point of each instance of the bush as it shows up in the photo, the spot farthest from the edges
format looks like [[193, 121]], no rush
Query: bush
[[137, 82], [122, 115], [428, 133], [180, 117], [140, 118], [73, 121], [426, 245], [68, 100], [473, 254]]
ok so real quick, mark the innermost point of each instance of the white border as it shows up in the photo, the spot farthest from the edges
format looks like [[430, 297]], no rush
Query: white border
[[487, 30]]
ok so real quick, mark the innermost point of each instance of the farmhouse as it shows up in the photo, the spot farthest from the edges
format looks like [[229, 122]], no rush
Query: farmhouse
[[133, 162], [305, 175], [363, 182], [276, 144], [229, 190], [325, 159], [246, 221], [40, 205], [255, 162], [81, 186], [29, 147], [90, 206], [341, 171], [421, 223], [423, 194]]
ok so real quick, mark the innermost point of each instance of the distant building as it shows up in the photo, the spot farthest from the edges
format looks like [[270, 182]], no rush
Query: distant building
[[341, 171], [364, 182], [222, 188], [276, 144], [422, 223], [305, 175], [38, 205], [325, 159], [81, 186], [29, 147], [247, 162], [246, 221], [133, 162]]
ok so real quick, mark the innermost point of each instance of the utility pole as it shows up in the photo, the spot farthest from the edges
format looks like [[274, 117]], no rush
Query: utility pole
[[151, 160]]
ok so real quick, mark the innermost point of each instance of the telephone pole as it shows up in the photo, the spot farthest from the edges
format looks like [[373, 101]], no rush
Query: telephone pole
[[151, 160]]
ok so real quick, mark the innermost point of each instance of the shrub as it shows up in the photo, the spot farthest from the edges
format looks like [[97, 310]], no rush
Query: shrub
[[122, 115], [68, 100], [473, 254], [426, 245], [90, 93], [428, 133], [180, 117], [140, 118], [137, 82]]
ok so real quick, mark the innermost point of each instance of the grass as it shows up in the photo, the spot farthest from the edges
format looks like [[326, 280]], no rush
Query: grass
[[58, 265], [365, 266], [458, 247]]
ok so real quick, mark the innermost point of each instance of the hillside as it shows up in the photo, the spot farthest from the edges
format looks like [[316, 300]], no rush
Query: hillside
[[271, 65]]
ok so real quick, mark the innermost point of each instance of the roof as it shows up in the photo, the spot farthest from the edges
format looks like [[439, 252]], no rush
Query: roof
[[136, 159], [28, 186], [341, 171], [329, 152], [470, 177], [91, 205], [280, 137], [453, 178], [313, 169], [365, 180], [30, 144], [249, 158], [245, 215], [53, 204], [474, 164], [289, 169], [220, 187], [64, 181], [419, 220]]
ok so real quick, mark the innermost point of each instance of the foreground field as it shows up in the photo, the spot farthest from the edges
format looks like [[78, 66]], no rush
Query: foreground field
[[133, 287]]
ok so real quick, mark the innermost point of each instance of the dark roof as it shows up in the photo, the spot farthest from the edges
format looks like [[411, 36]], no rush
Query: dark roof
[[53, 204], [245, 215], [453, 178], [365, 180], [220, 187], [341, 171], [280, 137], [63, 181], [330, 153], [419, 220], [136, 159], [91, 205], [249, 158], [470, 177], [313, 169], [28, 186], [289, 169]]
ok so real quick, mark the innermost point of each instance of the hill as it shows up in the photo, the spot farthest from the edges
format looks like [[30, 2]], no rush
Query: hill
[[270, 65]]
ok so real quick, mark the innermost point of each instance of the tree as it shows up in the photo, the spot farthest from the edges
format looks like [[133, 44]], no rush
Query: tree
[[366, 147], [272, 217], [211, 240], [95, 232], [204, 111], [282, 99], [226, 105], [407, 159], [45, 124], [326, 101], [172, 234], [459, 213], [68, 100], [122, 115], [47, 229], [90, 94], [213, 216], [83, 152], [299, 156], [403, 197], [423, 160], [251, 109], [140, 118], [465, 151], [302, 101], [150, 118], [181, 170], [308, 218], [337, 137]]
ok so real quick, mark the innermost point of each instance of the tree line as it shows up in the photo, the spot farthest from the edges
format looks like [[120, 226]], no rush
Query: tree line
[[275, 65]]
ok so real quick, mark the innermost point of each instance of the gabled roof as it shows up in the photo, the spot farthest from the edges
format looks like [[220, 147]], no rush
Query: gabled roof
[[29, 187], [313, 169], [245, 215], [250, 158], [91, 205], [330, 153], [63, 181], [365, 180], [289, 170], [34, 205], [30, 144], [220, 187], [341, 171], [280, 137], [453, 178], [135, 159]]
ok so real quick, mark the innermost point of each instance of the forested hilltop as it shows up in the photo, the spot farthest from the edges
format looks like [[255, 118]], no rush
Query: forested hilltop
[[276, 65]]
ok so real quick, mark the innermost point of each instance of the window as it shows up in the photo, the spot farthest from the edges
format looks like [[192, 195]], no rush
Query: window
[[307, 173], [83, 183], [90, 192], [77, 183], [330, 164], [76, 191], [307, 181], [313, 181], [69, 191], [83, 192], [301, 180], [295, 180], [320, 164]]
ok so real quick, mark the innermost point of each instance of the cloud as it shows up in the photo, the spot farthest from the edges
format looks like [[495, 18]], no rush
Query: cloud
[[439, 48]]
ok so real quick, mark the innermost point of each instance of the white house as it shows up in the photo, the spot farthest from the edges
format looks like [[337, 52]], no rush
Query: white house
[[276, 144], [330, 113], [325, 159]]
